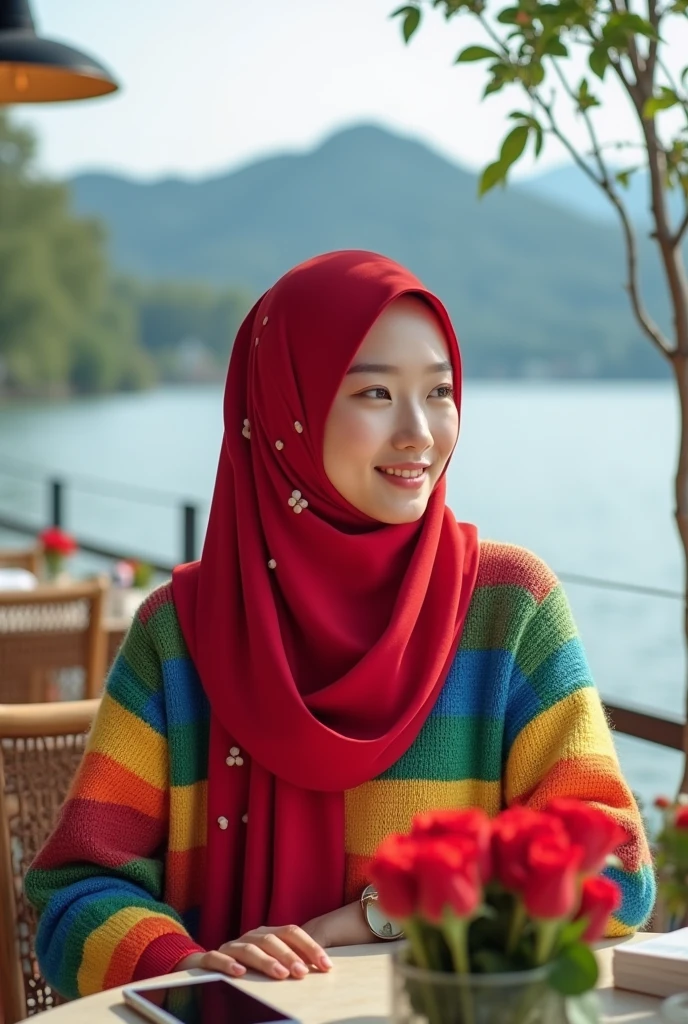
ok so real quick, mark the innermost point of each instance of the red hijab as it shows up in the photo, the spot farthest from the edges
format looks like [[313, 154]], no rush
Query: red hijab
[[322, 638]]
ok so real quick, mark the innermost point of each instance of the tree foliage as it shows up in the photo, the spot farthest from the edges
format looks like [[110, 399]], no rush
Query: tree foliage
[[61, 327], [529, 46], [67, 324]]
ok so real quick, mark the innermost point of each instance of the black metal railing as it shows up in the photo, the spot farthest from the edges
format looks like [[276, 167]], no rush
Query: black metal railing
[[58, 489]]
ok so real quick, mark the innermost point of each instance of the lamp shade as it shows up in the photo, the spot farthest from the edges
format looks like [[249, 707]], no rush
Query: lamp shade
[[36, 70]]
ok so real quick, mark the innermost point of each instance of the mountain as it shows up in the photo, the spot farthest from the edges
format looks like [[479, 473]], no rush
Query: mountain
[[571, 189], [533, 289]]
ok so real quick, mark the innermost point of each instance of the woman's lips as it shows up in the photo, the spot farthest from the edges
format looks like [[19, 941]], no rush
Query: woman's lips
[[411, 481]]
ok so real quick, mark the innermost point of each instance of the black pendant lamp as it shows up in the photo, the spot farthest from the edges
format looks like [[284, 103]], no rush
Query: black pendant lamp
[[35, 70]]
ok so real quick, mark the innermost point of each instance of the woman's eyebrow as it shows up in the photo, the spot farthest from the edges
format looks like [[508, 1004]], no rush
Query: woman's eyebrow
[[444, 367]]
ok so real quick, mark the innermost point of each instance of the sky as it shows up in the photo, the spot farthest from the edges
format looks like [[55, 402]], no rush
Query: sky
[[212, 85]]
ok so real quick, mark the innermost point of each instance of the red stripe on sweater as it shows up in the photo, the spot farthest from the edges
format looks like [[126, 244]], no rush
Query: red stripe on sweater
[[185, 878], [154, 602], [509, 565], [97, 833]]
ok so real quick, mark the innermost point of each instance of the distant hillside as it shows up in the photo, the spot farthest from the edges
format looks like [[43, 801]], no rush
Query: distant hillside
[[533, 289], [571, 189]]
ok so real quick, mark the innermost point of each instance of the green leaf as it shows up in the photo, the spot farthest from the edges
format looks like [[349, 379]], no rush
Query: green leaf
[[539, 140], [599, 60], [621, 26], [582, 1009], [411, 17], [494, 174], [494, 86], [571, 932], [534, 74], [555, 48], [513, 146], [527, 119], [667, 98], [585, 97], [624, 177], [476, 53], [575, 970], [508, 16]]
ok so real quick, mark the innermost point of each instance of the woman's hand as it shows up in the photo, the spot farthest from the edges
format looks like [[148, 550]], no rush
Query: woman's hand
[[278, 952], [344, 927]]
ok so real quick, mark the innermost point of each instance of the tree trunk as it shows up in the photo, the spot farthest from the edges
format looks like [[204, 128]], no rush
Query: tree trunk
[[679, 364]]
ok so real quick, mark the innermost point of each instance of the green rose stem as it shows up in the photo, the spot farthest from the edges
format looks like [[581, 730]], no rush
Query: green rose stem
[[455, 931], [54, 561], [547, 931], [414, 934], [518, 921]]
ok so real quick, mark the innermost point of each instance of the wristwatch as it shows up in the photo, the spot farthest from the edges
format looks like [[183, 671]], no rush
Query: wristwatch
[[379, 923]]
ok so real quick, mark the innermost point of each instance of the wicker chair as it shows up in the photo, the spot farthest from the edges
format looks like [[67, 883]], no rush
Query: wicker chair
[[22, 558], [49, 629], [41, 746]]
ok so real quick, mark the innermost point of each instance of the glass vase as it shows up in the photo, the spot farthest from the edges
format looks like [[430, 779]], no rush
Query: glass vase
[[519, 997]]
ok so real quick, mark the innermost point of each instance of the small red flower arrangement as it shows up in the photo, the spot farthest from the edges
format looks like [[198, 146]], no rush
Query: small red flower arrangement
[[57, 546], [671, 858], [518, 892]]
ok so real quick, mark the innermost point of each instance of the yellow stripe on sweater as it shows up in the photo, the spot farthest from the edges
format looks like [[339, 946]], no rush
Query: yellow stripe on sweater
[[188, 816], [125, 738], [377, 808], [575, 727], [101, 944]]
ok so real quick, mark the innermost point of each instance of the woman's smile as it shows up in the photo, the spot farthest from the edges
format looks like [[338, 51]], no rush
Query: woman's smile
[[405, 474]]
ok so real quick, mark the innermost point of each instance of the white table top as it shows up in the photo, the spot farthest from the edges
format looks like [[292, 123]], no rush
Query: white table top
[[356, 991]]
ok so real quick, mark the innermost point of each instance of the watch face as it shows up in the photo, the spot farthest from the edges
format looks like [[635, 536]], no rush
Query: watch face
[[380, 924]]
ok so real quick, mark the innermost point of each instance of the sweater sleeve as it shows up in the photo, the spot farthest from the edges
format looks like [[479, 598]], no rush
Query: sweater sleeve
[[97, 884], [558, 743]]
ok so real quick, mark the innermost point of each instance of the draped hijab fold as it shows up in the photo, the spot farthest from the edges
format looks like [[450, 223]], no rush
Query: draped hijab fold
[[321, 637]]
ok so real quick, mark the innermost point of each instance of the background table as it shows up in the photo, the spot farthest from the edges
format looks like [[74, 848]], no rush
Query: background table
[[356, 991]]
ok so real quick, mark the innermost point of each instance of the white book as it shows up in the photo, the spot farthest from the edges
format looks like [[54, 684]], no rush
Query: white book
[[657, 966]]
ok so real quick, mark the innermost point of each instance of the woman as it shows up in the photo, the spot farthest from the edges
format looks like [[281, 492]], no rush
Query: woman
[[343, 656]]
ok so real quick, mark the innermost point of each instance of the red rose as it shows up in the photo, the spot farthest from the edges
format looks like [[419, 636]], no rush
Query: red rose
[[551, 888], [472, 824], [393, 872], [448, 878], [662, 802], [513, 831], [597, 832], [681, 819], [56, 540], [600, 897]]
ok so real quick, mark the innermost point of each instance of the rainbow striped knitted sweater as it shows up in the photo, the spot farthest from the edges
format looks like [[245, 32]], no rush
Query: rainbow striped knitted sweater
[[118, 884]]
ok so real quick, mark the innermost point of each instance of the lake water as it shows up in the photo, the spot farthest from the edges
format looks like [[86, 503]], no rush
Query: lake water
[[580, 473]]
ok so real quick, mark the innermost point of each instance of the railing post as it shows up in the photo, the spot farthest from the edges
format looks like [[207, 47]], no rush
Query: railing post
[[189, 533], [56, 504]]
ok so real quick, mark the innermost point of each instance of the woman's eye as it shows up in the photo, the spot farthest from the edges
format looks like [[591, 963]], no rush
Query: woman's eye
[[443, 391], [376, 393]]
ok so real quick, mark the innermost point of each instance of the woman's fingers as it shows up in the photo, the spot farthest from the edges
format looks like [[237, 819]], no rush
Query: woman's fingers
[[215, 960], [276, 947], [303, 944], [277, 952], [251, 955]]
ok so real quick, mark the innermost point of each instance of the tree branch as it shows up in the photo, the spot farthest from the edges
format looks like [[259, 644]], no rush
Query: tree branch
[[681, 230], [654, 17], [644, 319], [604, 181], [646, 322]]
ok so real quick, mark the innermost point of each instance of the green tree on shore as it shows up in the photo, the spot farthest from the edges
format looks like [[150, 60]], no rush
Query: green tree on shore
[[62, 329]]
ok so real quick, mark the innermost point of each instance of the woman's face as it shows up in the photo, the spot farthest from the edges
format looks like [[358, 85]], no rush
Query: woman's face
[[393, 423]]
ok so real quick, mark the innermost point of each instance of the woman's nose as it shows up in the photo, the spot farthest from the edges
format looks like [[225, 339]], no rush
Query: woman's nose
[[413, 432]]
